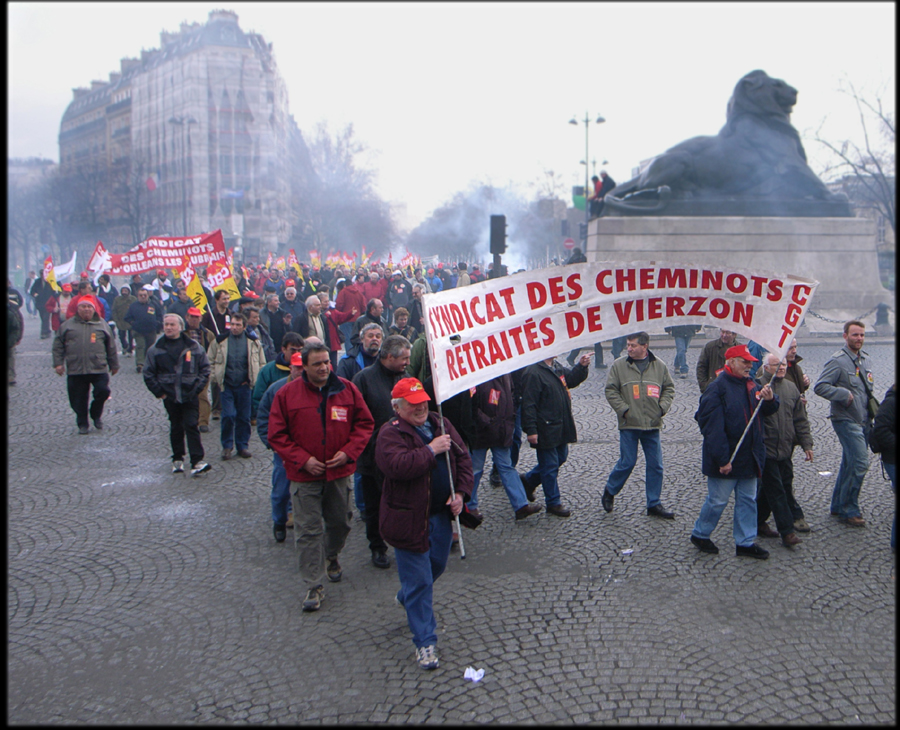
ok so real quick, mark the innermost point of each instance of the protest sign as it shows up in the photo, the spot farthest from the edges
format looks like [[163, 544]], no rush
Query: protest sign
[[493, 327], [161, 253]]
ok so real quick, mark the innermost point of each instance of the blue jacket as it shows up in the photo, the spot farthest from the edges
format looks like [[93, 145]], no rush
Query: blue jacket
[[725, 408], [262, 413]]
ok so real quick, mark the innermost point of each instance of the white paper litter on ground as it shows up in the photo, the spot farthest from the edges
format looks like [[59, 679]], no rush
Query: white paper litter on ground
[[627, 552], [824, 473], [474, 674]]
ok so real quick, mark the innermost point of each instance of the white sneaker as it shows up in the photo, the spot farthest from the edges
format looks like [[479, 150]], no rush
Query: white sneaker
[[426, 656], [177, 467], [199, 468]]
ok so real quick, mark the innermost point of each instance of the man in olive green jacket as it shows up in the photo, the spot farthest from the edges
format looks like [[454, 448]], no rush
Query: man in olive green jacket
[[640, 391], [84, 346]]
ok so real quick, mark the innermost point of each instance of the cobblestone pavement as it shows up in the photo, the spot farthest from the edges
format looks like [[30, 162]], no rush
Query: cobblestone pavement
[[138, 596]]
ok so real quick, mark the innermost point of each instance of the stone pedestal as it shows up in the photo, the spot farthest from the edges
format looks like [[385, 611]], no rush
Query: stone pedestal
[[838, 252]]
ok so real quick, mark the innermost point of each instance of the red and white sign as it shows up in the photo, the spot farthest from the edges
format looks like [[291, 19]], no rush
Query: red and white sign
[[496, 326], [569, 243], [161, 253]]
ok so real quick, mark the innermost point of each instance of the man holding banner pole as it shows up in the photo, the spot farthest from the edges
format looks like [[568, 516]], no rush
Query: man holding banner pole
[[734, 451]]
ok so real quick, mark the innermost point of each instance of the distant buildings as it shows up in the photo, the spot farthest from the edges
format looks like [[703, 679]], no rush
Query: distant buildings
[[193, 136]]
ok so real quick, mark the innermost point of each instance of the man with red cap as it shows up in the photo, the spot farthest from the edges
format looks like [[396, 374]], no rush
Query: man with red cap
[[416, 503], [726, 407], [162, 288], [85, 348]]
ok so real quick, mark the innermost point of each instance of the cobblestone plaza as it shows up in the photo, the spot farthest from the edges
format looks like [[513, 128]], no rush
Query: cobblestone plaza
[[139, 596]]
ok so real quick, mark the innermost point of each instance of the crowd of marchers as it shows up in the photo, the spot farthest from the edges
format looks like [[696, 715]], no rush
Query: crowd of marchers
[[334, 374]]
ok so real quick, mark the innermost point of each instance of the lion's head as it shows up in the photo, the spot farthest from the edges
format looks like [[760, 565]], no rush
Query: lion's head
[[759, 94]]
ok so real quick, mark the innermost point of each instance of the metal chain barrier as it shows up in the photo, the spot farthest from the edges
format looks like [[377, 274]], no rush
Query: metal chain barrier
[[840, 321]]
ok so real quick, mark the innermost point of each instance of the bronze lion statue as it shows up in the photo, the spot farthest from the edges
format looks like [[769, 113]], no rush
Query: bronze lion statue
[[757, 155]]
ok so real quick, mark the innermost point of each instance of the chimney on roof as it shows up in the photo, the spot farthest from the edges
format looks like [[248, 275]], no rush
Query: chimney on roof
[[145, 55], [128, 63], [223, 15], [79, 92], [114, 77], [97, 85]]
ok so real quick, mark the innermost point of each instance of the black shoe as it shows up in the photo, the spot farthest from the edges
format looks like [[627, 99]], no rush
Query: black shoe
[[495, 479], [83, 429], [558, 510], [607, 500], [529, 489], [754, 551], [660, 511], [279, 531], [380, 559], [705, 545], [98, 424]]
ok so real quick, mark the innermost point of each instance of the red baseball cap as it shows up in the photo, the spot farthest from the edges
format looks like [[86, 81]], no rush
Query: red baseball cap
[[411, 390], [162, 272], [250, 294], [297, 359], [67, 287], [740, 351], [194, 312], [290, 282]]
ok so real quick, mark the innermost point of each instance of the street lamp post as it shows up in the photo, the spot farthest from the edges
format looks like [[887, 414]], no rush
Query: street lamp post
[[587, 121], [184, 122]]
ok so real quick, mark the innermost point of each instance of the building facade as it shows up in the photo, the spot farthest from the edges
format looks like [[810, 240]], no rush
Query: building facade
[[193, 136]]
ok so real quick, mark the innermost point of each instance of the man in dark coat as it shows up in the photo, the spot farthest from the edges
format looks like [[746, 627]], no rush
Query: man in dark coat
[[725, 410], [363, 354], [176, 371], [494, 410], [145, 318], [375, 383], [712, 358], [374, 310], [548, 423], [41, 291], [885, 433]]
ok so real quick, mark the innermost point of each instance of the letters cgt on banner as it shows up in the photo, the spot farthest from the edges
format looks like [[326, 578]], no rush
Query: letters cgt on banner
[[480, 331]]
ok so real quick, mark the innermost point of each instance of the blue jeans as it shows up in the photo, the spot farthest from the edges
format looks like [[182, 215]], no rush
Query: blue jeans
[[744, 509], [358, 495], [854, 465], [508, 476], [281, 491], [418, 572], [347, 331], [235, 416], [681, 346], [628, 443], [891, 470], [547, 470]]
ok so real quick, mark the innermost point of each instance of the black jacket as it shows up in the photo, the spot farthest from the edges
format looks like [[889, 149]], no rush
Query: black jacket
[[494, 410], [180, 379], [547, 405], [885, 427], [375, 383]]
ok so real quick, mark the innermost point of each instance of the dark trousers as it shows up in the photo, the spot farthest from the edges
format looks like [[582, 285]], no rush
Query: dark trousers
[[618, 344], [127, 340], [45, 322], [79, 393], [772, 495], [598, 355], [184, 419], [371, 486]]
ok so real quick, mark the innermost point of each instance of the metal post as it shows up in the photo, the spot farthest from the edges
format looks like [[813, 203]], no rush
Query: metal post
[[587, 209]]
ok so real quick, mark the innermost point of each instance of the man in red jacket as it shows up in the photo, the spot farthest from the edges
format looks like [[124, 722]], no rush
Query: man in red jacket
[[319, 424]]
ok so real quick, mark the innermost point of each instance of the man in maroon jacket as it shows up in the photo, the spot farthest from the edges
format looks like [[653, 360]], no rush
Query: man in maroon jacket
[[319, 424]]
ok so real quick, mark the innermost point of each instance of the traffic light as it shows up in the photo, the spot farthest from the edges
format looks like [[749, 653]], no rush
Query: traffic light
[[582, 231], [498, 234], [564, 227]]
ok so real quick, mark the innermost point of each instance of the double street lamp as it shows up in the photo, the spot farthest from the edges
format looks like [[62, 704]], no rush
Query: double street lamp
[[184, 122], [587, 126]]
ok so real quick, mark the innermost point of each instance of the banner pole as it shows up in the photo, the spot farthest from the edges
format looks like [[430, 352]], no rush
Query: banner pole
[[755, 411], [462, 547]]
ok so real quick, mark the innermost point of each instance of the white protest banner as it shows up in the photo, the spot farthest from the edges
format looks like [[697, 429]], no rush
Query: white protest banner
[[64, 271], [164, 253], [484, 330]]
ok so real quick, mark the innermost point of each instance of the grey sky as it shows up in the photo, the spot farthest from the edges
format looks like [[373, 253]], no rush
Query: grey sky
[[445, 94]]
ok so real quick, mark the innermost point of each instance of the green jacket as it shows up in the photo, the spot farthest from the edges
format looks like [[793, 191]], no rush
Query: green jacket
[[272, 372], [85, 347], [640, 400]]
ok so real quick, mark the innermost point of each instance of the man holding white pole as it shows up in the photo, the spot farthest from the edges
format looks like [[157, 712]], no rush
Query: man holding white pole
[[734, 451]]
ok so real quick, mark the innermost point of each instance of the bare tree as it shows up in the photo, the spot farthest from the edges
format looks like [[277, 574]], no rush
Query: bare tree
[[867, 171], [24, 221], [343, 210], [131, 202]]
